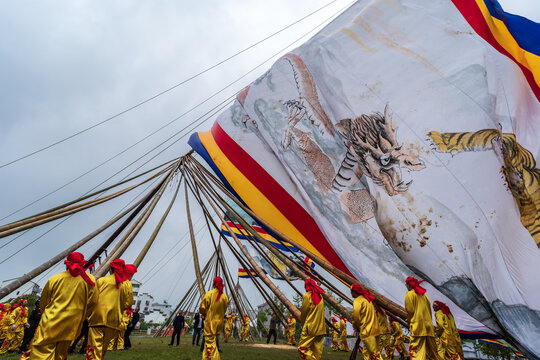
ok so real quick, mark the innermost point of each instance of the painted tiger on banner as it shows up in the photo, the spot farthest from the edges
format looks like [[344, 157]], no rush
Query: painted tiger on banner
[[520, 171]]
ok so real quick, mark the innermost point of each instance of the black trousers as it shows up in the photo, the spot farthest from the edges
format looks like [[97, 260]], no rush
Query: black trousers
[[127, 341], [270, 333], [176, 332], [28, 335], [196, 334], [84, 333]]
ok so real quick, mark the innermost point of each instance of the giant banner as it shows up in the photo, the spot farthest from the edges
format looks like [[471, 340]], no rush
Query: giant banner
[[402, 140]]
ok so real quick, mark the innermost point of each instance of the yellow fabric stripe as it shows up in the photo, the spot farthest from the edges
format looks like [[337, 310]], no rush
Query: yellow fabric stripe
[[256, 201], [507, 41]]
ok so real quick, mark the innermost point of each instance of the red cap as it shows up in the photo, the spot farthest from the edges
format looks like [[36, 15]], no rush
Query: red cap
[[74, 264], [118, 266], [415, 283], [218, 284], [364, 292], [316, 291], [444, 308]]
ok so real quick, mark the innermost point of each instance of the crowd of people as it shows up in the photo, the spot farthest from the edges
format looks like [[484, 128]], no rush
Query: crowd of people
[[74, 307]]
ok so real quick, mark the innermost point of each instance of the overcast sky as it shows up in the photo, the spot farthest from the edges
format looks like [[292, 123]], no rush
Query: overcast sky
[[67, 65]]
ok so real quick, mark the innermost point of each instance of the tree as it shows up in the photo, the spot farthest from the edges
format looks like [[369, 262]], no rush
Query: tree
[[494, 352]]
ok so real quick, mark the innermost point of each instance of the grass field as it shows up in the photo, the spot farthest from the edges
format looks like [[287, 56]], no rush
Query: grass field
[[157, 348]]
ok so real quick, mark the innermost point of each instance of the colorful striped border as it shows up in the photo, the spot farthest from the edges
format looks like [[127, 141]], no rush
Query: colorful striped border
[[513, 36], [240, 233], [242, 273], [476, 335], [261, 192]]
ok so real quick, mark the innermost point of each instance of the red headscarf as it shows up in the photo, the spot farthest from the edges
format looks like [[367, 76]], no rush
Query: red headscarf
[[316, 291], [128, 312], [364, 292], [129, 271], [74, 264], [118, 266], [415, 283], [444, 308], [218, 284]]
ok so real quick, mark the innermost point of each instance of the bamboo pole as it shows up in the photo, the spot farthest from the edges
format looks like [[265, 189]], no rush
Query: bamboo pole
[[134, 230], [150, 241], [380, 299], [34, 221], [255, 266], [140, 205], [48, 264], [193, 243]]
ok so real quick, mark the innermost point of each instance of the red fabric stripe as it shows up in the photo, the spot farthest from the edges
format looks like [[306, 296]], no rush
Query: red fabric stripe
[[470, 11], [280, 198]]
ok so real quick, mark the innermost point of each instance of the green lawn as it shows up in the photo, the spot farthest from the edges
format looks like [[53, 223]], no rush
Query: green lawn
[[157, 348]]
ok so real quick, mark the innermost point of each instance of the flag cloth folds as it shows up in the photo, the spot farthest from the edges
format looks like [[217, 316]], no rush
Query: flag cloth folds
[[403, 140]]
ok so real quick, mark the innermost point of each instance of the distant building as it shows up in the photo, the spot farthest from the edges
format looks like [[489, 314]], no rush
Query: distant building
[[136, 287], [150, 310]]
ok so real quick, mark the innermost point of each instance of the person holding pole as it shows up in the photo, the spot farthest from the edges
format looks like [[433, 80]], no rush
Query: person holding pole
[[422, 345], [366, 322], [311, 341]]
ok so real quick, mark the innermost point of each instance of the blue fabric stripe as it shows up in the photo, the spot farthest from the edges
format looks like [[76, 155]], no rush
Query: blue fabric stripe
[[525, 31]]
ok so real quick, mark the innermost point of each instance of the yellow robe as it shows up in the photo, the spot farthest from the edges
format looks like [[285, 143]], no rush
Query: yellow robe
[[118, 342], [334, 334], [447, 346], [245, 330], [366, 323], [65, 302], [457, 338], [422, 345], [343, 346], [383, 340], [213, 312], [397, 341], [106, 319], [13, 340], [310, 345], [4, 323], [229, 326], [291, 331]]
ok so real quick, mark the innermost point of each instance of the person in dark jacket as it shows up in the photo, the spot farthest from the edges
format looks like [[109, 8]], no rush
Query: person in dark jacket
[[33, 321], [272, 329], [130, 327], [198, 326], [178, 325]]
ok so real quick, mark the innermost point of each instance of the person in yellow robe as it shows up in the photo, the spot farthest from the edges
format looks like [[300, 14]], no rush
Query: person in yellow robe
[[310, 345], [244, 336], [67, 299], [291, 330], [366, 322], [343, 345], [4, 312], [457, 338], [229, 326], [422, 340], [383, 340], [115, 296], [213, 307], [16, 320], [397, 341], [334, 334], [448, 348]]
